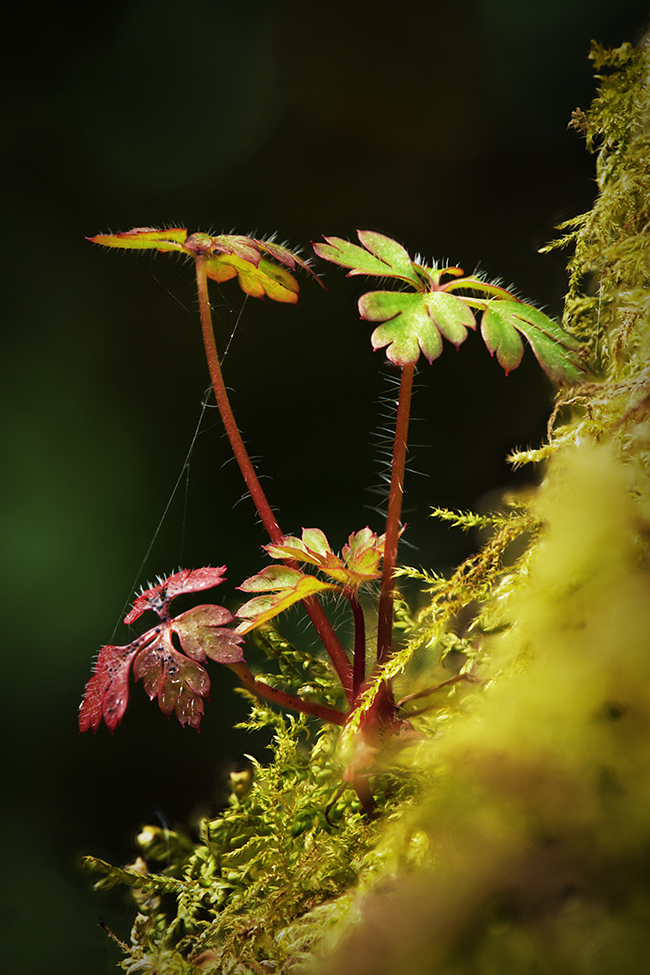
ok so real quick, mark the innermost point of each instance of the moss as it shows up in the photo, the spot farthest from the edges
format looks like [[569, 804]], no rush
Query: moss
[[535, 814]]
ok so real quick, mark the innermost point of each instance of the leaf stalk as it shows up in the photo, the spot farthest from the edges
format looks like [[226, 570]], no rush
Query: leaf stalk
[[313, 607], [386, 596]]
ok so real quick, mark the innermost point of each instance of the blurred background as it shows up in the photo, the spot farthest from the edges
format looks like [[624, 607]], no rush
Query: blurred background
[[442, 125]]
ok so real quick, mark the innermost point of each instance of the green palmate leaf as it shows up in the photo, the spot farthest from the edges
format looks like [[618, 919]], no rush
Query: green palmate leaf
[[555, 349], [281, 587], [415, 323], [361, 555], [380, 256]]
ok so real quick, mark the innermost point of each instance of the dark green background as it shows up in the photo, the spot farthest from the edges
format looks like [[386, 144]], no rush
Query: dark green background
[[444, 125]]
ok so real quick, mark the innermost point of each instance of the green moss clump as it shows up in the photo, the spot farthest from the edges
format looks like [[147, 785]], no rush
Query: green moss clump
[[534, 824], [259, 883]]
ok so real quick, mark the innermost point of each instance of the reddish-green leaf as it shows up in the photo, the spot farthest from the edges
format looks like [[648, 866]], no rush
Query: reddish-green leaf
[[272, 579], [173, 675], [145, 238], [380, 256], [287, 257], [256, 280], [313, 548], [204, 633], [246, 248], [361, 555], [228, 256], [557, 352], [415, 323]]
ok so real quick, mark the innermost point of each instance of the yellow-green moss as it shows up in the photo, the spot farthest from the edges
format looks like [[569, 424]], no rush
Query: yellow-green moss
[[534, 817]]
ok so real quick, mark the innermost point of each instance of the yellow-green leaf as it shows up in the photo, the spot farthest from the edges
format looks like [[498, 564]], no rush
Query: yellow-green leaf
[[257, 281], [144, 238], [263, 608]]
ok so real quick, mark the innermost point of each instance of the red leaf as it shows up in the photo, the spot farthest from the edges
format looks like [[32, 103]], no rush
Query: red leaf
[[107, 691], [202, 634], [159, 597], [178, 682], [174, 676]]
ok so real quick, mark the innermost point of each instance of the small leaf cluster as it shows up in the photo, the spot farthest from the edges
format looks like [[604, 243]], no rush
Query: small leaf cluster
[[226, 256], [283, 586]]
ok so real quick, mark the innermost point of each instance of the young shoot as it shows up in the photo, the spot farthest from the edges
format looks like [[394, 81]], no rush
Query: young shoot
[[432, 304]]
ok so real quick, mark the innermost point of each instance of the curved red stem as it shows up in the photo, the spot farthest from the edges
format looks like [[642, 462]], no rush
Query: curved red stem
[[316, 612]]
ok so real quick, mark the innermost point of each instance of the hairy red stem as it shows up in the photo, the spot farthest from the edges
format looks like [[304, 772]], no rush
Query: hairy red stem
[[359, 665], [316, 612], [386, 597]]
